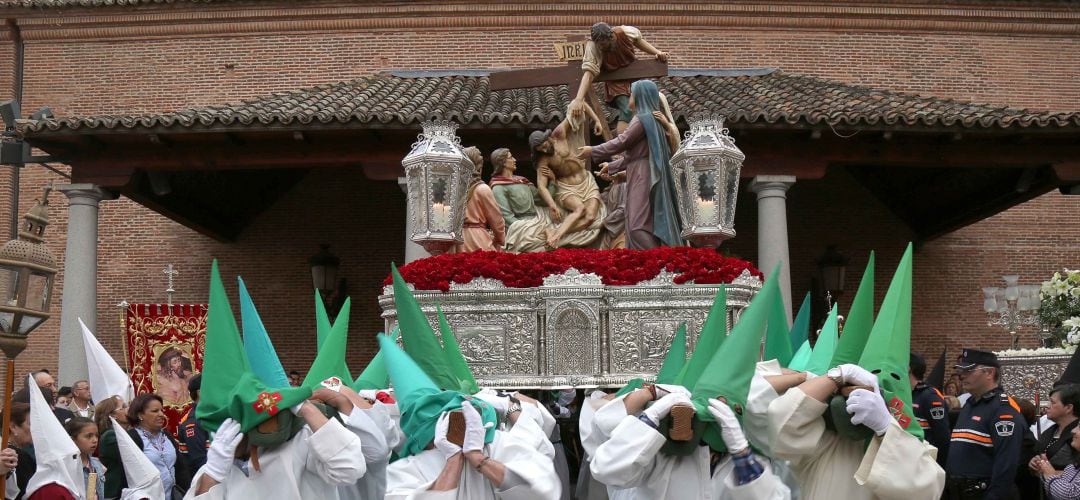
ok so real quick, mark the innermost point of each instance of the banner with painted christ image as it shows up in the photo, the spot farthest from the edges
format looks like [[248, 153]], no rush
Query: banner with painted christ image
[[164, 345]]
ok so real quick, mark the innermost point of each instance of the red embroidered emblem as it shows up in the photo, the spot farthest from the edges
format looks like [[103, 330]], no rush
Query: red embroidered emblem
[[190, 432], [896, 407], [267, 402]]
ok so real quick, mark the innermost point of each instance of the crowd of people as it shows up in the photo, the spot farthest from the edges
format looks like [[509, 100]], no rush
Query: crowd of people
[[718, 424]]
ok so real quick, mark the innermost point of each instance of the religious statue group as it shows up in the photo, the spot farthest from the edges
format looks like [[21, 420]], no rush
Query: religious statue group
[[565, 207]]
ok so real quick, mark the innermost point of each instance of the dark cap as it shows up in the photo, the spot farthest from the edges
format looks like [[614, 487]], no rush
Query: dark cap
[[971, 357]]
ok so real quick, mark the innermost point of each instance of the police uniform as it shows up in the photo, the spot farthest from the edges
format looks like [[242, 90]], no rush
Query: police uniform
[[984, 449], [193, 441], [932, 412]]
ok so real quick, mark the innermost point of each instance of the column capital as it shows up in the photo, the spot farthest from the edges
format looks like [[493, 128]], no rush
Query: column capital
[[771, 185], [85, 193]]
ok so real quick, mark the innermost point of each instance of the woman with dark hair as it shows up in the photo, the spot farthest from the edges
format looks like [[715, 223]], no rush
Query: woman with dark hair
[[22, 445], [174, 370], [1053, 445], [647, 144], [147, 421]]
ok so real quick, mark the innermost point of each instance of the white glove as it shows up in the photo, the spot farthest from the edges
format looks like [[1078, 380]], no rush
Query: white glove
[[730, 430], [857, 375], [475, 430], [447, 448], [868, 408], [665, 389], [662, 407], [219, 458], [500, 403], [567, 396]]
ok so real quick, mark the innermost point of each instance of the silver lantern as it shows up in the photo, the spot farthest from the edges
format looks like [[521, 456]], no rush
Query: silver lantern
[[707, 168], [437, 175]]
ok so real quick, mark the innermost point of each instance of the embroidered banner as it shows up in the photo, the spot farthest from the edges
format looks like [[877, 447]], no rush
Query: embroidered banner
[[165, 345]]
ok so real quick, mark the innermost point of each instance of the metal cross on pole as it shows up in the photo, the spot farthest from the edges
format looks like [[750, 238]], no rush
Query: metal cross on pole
[[170, 272]]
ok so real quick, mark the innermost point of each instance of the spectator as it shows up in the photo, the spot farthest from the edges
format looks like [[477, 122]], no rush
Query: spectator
[[45, 380], [1064, 410], [114, 407], [1061, 485], [23, 396], [294, 378], [147, 430], [63, 397], [23, 443], [84, 433], [80, 400]]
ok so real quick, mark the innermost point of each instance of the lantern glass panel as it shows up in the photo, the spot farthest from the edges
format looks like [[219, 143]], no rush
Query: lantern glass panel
[[28, 323], [5, 321], [441, 198], [730, 184], [37, 293], [9, 280], [706, 196]]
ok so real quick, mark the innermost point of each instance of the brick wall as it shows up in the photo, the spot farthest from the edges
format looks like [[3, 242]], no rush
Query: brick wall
[[364, 220]]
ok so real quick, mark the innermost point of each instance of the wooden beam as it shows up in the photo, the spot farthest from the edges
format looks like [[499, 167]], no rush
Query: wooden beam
[[566, 75]]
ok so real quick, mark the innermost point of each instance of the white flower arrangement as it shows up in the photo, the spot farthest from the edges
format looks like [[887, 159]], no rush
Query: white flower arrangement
[[1059, 306], [1042, 351]]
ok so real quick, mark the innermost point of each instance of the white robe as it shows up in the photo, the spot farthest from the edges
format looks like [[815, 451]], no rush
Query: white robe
[[524, 451], [310, 465], [604, 422], [632, 459], [370, 425], [755, 423], [588, 487], [894, 466]]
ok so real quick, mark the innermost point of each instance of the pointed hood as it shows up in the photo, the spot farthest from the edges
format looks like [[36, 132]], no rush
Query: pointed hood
[[859, 322], [731, 368], [143, 477], [229, 388], [1071, 374], [888, 350], [374, 375], [800, 329], [675, 358], [330, 360], [322, 321], [260, 351], [778, 336], [936, 378], [713, 333], [421, 401], [458, 366], [105, 376], [825, 348], [418, 337], [56, 455], [801, 358]]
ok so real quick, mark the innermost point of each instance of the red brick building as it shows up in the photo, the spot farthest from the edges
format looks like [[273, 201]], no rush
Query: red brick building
[[88, 58]]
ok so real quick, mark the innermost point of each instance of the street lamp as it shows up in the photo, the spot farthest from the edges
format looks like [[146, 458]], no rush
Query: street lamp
[[833, 269], [324, 269], [27, 270], [707, 168]]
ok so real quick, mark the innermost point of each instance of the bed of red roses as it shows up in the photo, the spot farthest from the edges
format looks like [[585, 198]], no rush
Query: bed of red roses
[[615, 267]]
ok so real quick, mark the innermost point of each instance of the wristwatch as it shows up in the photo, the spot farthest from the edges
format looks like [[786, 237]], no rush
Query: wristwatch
[[836, 375]]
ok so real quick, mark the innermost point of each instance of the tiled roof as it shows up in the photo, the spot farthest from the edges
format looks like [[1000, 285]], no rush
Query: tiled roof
[[89, 3], [767, 97]]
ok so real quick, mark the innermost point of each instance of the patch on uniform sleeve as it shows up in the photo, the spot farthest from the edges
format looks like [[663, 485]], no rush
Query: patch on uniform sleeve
[[1005, 428], [190, 431], [937, 413]]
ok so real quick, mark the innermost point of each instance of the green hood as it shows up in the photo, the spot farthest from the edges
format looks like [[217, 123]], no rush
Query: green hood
[[860, 320]]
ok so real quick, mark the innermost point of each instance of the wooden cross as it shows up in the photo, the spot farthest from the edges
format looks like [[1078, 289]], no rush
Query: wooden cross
[[570, 75]]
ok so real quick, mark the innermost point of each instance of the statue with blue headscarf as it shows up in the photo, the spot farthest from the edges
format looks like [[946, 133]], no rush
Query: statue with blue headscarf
[[647, 144]]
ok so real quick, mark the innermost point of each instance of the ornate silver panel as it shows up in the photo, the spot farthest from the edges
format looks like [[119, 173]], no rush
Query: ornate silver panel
[[1023, 376], [573, 331]]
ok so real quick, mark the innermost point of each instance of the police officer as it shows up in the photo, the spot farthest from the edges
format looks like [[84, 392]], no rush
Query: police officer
[[984, 450], [930, 409], [193, 439]]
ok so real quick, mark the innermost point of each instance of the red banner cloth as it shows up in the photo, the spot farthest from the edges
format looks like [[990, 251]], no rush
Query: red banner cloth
[[165, 345]]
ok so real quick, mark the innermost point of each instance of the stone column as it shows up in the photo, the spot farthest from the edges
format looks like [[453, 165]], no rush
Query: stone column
[[412, 250], [771, 193], [80, 278]]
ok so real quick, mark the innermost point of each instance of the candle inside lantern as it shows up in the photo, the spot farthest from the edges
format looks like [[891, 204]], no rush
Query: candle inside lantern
[[706, 212], [441, 215]]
